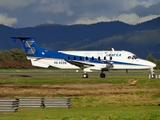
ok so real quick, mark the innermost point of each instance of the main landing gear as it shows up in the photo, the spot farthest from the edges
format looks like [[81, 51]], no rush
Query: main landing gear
[[102, 75], [85, 75]]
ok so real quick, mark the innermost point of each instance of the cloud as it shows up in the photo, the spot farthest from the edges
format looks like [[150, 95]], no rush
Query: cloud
[[134, 19], [126, 18], [55, 6], [145, 11], [34, 12], [86, 20], [8, 21], [10, 4]]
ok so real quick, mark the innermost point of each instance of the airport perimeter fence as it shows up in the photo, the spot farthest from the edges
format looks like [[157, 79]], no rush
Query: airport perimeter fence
[[12, 105]]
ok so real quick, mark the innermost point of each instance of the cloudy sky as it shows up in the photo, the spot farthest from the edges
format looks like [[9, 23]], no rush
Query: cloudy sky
[[24, 13]]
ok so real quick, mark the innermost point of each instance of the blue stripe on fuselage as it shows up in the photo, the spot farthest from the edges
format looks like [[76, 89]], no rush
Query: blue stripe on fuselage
[[63, 56]]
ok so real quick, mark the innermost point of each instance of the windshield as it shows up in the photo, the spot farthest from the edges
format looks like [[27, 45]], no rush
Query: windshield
[[134, 57]]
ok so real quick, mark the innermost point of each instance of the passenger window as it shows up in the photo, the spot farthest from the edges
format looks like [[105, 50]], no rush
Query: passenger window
[[74, 58], [68, 58], [80, 58]]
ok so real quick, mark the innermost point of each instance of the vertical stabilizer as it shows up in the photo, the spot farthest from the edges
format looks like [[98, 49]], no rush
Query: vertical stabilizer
[[30, 46]]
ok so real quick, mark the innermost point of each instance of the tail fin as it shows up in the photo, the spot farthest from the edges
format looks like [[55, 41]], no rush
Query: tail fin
[[30, 46]]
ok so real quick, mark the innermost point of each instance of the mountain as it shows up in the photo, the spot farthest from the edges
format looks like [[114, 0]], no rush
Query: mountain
[[140, 39]]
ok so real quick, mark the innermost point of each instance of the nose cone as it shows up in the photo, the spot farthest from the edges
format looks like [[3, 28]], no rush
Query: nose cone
[[152, 64], [146, 63]]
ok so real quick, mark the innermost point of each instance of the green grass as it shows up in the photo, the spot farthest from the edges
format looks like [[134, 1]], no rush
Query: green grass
[[86, 113], [126, 102], [55, 76], [73, 79]]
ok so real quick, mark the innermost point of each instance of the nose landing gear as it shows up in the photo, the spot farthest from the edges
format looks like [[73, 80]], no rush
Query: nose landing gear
[[152, 75]]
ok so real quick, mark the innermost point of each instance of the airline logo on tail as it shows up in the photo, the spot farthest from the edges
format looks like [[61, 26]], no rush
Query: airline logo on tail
[[31, 50]]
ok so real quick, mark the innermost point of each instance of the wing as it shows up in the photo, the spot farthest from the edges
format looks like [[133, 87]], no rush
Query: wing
[[80, 64]]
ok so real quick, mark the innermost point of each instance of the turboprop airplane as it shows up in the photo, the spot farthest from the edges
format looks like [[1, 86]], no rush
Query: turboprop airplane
[[85, 60]]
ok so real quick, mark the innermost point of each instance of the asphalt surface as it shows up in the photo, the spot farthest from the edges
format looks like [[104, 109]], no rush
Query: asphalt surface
[[74, 73]]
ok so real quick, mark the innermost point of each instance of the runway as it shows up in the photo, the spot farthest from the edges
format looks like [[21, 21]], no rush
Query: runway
[[74, 73]]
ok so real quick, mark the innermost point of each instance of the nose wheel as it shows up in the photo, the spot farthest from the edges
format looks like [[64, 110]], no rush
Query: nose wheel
[[152, 76], [152, 73]]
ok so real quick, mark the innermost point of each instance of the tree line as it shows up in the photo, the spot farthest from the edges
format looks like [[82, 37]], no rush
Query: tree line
[[16, 58], [156, 61]]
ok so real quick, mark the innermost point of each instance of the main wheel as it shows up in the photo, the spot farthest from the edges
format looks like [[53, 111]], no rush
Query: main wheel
[[102, 75], [85, 75]]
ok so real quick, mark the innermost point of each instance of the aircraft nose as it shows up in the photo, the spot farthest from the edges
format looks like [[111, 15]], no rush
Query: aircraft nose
[[152, 64]]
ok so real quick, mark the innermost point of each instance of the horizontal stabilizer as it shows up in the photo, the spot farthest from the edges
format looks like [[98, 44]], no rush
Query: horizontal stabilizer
[[21, 38]]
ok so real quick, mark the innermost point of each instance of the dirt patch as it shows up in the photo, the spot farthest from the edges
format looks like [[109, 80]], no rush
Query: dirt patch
[[87, 94], [9, 90]]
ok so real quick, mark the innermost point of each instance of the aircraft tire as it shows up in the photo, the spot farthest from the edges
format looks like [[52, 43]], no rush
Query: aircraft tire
[[85, 75], [152, 76], [102, 75]]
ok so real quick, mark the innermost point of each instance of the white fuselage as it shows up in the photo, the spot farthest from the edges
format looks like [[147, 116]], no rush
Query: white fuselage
[[119, 59]]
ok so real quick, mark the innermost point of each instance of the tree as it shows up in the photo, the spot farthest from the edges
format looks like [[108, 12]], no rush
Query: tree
[[109, 49], [150, 58], [14, 59], [6, 56], [18, 55], [157, 63]]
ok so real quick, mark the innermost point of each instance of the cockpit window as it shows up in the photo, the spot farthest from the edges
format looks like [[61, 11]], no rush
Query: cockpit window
[[129, 57], [134, 57]]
